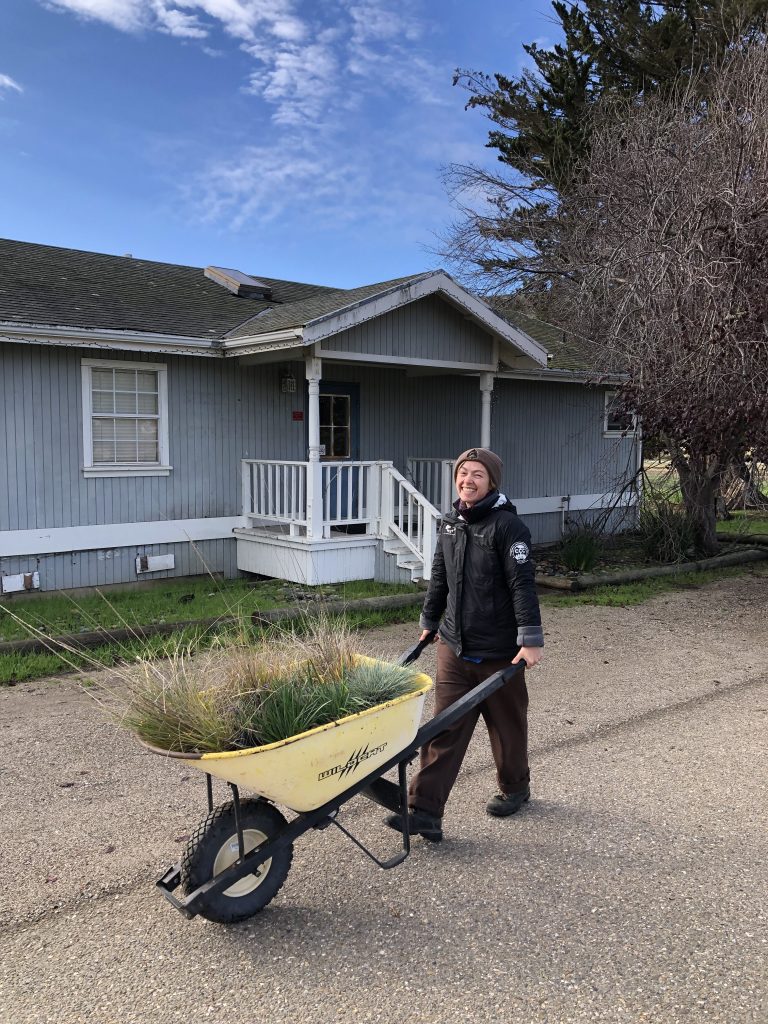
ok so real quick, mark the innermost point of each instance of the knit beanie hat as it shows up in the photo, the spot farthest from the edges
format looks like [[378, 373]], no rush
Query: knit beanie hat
[[489, 459]]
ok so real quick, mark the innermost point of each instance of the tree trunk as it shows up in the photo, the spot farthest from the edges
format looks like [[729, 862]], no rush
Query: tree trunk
[[700, 486]]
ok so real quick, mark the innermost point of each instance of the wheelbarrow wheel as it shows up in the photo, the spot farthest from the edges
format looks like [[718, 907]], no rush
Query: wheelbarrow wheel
[[213, 847]]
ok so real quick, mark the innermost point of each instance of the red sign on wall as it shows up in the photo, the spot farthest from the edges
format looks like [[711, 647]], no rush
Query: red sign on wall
[[297, 414]]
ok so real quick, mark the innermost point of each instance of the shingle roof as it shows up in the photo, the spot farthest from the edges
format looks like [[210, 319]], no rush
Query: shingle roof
[[296, 314], [44, 284], [567, 353]]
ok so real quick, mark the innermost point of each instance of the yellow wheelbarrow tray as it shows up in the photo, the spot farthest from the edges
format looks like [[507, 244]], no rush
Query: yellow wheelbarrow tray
[[238, 858], [306, 770]]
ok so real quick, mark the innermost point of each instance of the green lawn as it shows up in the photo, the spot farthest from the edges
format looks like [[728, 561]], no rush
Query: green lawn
[[202, 598], [744, 523], [61, 614], [643, 590], [180, 601]]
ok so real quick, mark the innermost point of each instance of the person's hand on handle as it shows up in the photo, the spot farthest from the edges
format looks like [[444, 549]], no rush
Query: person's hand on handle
[[426, 633], [530, 655]]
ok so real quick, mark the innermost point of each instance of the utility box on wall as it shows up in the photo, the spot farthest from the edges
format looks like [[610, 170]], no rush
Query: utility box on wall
[[20, 582], [154, 563]]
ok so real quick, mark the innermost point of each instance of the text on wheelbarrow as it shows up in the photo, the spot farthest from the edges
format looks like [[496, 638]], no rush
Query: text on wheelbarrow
[[355, 758]]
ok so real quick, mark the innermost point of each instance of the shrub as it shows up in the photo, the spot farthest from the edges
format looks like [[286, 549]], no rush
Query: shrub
[[666, 532], [580, 550]]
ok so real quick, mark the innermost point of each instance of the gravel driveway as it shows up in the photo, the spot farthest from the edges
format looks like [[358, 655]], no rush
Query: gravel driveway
[[632, 888]]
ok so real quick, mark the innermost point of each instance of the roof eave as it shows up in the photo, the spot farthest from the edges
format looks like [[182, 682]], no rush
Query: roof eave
[[566, 376], [271, 341], [98, 337]]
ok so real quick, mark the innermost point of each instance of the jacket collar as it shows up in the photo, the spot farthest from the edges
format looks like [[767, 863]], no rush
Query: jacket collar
[[479, 511]]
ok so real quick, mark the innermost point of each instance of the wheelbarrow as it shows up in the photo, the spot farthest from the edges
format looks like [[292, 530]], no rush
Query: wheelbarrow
[[238, 858]]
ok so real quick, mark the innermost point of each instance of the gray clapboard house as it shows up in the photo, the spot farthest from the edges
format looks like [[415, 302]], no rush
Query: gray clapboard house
[[162, 420]]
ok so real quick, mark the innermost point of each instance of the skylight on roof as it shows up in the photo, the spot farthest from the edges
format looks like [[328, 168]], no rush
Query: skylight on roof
[[239, 283]]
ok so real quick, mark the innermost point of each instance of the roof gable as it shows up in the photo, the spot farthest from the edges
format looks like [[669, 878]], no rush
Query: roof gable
[[313, 321]]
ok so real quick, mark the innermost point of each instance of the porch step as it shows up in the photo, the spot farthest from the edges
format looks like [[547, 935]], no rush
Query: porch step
[[404, 557]]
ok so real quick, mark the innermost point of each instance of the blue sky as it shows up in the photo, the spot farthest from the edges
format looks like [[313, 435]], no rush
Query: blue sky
[[294, 139]]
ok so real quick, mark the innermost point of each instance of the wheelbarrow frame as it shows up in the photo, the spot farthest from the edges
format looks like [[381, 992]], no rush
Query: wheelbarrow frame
[[393, 796]]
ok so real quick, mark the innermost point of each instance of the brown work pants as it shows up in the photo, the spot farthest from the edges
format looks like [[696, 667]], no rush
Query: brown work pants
[[506, 718]]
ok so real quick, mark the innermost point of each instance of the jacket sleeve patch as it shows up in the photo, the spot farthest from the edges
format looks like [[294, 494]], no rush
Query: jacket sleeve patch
[[520, 551]]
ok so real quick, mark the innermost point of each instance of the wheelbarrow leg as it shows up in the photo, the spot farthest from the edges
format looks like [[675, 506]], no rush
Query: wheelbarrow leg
[[402, 789], [238, 822], [393, 796]]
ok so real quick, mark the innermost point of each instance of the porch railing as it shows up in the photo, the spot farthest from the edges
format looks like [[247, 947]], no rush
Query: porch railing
[[350, 492], [409, 516], [434, 479], [314, 497], [275, 492]]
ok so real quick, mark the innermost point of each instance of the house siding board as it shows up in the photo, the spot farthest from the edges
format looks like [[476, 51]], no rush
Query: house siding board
[[551, 440], [430, 328], [118, 565], [218, 414]]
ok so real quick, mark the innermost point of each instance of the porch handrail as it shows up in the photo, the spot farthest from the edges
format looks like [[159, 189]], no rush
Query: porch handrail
[[409, 516], [434, 479]]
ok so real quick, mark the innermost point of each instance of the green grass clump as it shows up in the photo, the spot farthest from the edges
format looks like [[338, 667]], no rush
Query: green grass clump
[[242, 693], [667, 533], [580, 551]]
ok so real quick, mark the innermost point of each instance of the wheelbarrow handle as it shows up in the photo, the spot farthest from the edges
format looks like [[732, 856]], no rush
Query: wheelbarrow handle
[[450, 715], [413, 652]]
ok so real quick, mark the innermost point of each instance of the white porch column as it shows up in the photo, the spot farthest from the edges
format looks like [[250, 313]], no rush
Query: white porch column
[[313, 369], [486, 389]]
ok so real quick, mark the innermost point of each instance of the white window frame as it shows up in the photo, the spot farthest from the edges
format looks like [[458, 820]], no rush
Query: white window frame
[[161, 468], [329, 456], [630, 431]]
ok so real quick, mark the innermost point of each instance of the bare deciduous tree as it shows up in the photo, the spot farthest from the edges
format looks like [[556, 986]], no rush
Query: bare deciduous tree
[[662, 246]]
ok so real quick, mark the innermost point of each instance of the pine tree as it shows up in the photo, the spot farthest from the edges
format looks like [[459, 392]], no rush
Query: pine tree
[[542, 118]]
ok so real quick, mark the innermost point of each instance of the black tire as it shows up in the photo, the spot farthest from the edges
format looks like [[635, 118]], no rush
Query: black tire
[[213, 847]]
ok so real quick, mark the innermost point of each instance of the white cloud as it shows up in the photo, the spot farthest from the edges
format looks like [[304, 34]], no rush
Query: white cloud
[[126, 15], [176, 23], [264, 182], [330, 150], [242, 19], [309, 57], [299, 81], [6, 82]]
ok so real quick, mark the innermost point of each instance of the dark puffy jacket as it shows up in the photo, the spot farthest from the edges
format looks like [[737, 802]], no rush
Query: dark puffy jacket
[[482, 593]]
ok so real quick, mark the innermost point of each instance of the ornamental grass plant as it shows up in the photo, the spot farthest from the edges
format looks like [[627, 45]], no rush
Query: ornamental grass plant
[[244, 693]]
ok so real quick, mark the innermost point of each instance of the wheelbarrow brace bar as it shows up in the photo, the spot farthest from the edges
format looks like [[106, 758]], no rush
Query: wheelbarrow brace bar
[[322, 816]]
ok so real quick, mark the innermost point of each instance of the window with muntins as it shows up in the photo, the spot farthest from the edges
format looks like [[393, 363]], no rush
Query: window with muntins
[[616, 422], [336, 426], [125, 418]]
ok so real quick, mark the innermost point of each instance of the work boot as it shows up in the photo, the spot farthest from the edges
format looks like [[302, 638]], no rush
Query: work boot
[[504, 804], [419, 823]]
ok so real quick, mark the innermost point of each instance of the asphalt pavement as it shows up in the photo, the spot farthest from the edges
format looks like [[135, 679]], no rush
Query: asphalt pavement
[[631, 888]]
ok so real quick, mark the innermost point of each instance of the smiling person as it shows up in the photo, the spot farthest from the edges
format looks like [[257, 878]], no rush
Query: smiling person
[[482, 601]]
